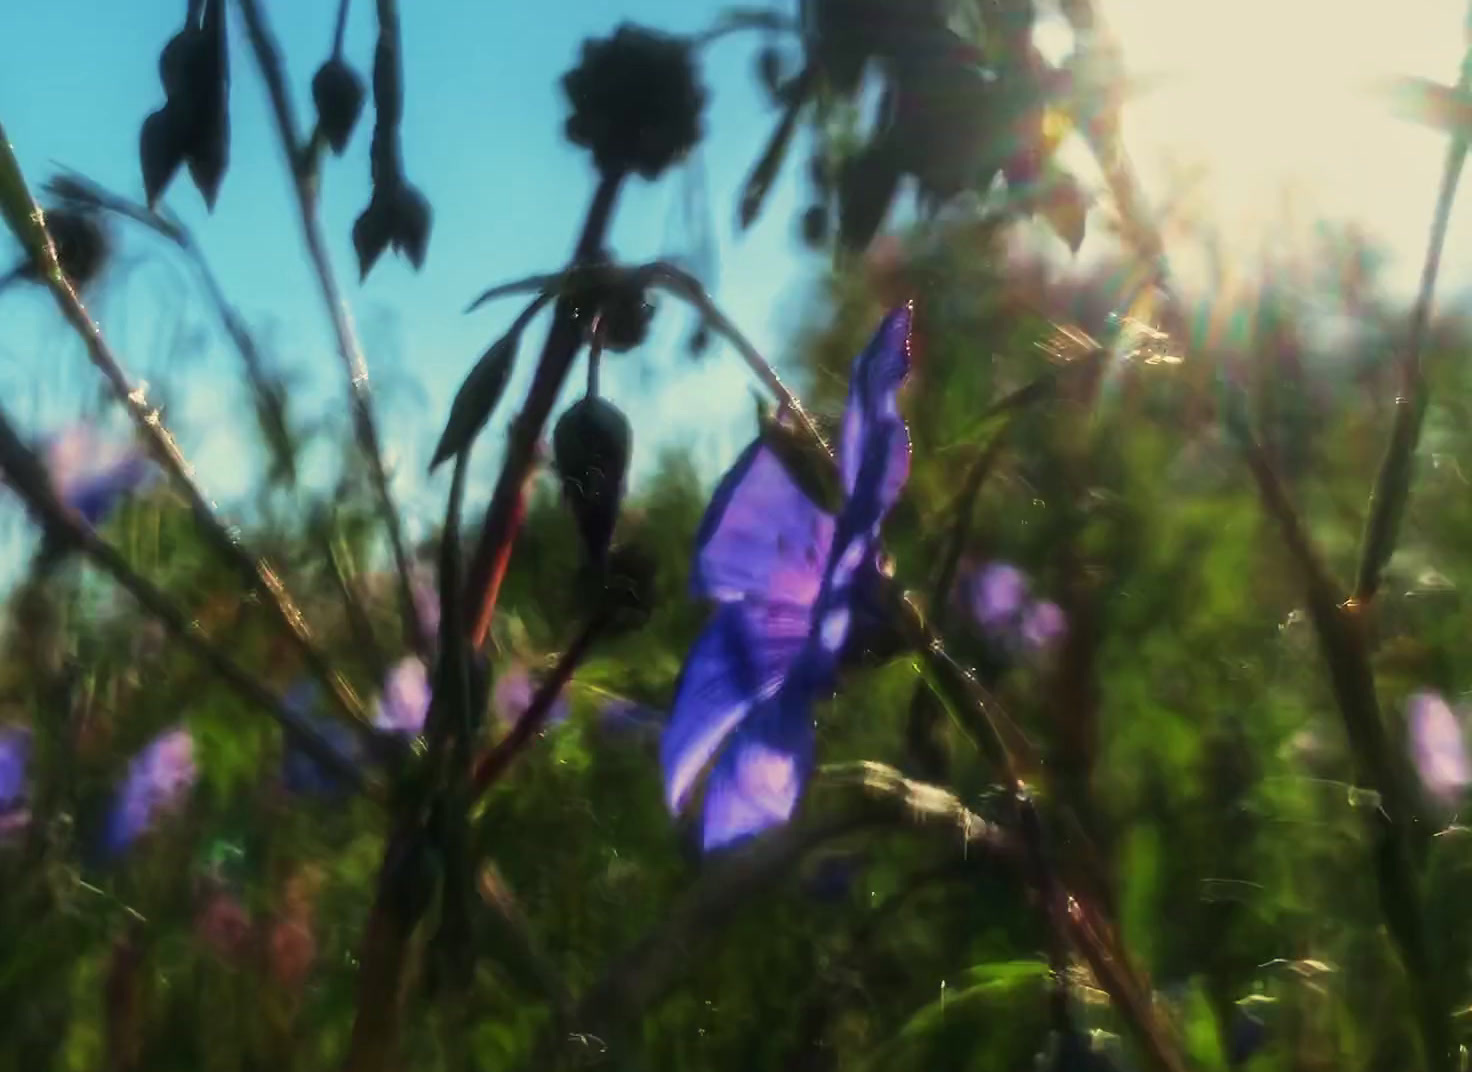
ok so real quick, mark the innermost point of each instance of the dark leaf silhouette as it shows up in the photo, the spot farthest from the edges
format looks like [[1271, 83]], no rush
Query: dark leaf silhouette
[[209, 153], [374, 230], [1066, 209], [591, 446], [759, 182], [161, 150], [815, 225], [866, 188], [476, 400], [82, 247], [338, 93], [412, 219]]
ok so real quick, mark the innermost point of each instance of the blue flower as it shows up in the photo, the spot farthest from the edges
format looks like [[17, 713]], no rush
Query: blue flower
[[15, 757], [92, 476], [157, 781], [300, 771], [787, 578]]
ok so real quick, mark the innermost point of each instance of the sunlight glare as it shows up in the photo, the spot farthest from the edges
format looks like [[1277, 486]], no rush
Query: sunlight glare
[[1276, 99]]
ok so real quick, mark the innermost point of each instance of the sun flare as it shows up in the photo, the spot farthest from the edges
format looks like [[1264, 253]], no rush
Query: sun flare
[[1275, 105]]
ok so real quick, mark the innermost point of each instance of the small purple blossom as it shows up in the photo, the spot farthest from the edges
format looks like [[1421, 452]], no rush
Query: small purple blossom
[[513, 694], [15, 756], [91, 475], [1042, 624], [300, 771], [157, 781], [995, 594], [405, 701], [1437, 746], [785, 575]]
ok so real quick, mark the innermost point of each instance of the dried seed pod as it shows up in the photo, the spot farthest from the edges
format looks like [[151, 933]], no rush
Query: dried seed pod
[[591, 446], [338, 93]]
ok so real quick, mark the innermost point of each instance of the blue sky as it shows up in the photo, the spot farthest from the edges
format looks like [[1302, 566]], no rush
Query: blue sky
[[482, 138], [1276, 97]]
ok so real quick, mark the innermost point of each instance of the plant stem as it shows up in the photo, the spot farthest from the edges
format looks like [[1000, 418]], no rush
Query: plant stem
[[501, 523], [257, 572], [360, 395], [1393, 482], [24, 473], [495, 762], [340, 31]]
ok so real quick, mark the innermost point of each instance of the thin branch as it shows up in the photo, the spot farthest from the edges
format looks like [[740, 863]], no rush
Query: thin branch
[[494, 763], [502, 519], [360, 396], [78, 188], [26, 475], [1393, 482], [258, 573]]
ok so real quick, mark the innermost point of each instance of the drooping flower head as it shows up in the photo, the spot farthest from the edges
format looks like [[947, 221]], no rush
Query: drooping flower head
[[786, 576], [301, 772], [1437, 746], [513, 694], [92, 475], [405, 701], [158, 780], [15, 757]]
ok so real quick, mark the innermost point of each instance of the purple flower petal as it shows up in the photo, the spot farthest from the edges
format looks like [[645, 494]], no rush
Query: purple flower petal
[[300, 771], [15, 757], [92, 476], [405, 701], [513, 694], [1043, 624], [875, 450], [622, 716], [738, 661], [157, 781], [995, 594], [1437, 745], [761, 537], [756, 783]]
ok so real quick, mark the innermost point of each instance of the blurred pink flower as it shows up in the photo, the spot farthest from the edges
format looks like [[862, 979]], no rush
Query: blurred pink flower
[[513, 694], [224, 925], [293, 950], [405, 701], [1437, 746]]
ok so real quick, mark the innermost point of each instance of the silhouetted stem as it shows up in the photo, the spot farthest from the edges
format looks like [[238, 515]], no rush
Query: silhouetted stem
[[501, 523], [25, 474], [340, 31], [495, 762], [259, 575], [360, 395], [88, 192], [1393, 482]]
